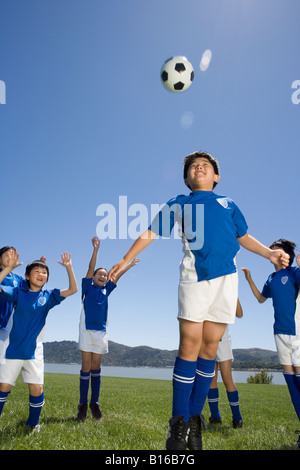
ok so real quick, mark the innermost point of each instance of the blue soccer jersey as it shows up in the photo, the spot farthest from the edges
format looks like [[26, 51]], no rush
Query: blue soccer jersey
[[95, 301], [28, 319], [6, 305], [209, 225], [282, 287]]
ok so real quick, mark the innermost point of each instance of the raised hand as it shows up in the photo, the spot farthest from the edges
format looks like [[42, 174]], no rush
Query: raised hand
[[13, 259], [65, 260], [96, 243]]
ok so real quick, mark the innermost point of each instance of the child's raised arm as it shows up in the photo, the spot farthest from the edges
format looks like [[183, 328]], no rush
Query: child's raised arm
[[123, 271], [92, 263], [13, 263], [67, 263], [139, 245], [253, 287]]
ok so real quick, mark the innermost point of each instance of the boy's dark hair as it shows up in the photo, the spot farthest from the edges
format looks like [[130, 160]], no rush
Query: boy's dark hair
[[4, 249], [34, 264], [287, 246], [98, 269], [200, 154]]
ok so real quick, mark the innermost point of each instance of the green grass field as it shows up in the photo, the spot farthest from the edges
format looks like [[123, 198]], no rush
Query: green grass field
[[136, 414]]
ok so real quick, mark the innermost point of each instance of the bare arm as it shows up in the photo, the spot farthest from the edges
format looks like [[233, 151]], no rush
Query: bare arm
[[139, 245], [92, 263], [277, 257], [239, 310], [66, 262], [261, 299], [123, 271], [12, 264]]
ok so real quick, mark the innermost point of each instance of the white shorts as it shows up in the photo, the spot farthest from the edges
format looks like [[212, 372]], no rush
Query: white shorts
[[213, 300], [93, 341], [32, 369], [288, 348], [224, 352]]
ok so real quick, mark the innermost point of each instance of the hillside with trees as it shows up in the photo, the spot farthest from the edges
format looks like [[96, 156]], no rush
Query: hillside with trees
[[66, 352]]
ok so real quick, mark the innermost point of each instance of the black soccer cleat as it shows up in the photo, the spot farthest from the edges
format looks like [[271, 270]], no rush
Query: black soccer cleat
[[82, 409], [195, 437], [178, 434]]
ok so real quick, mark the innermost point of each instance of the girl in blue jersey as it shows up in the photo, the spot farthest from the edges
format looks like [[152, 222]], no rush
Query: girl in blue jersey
[[93, 342], [212, 230], [23, 346], [282, 287]]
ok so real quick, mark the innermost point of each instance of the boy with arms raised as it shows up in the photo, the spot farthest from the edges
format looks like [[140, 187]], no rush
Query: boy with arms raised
[[23, 348], [208, 288], [12, 280]]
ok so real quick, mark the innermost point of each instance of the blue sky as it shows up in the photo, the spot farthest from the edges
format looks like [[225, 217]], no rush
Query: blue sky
[[87, 120]]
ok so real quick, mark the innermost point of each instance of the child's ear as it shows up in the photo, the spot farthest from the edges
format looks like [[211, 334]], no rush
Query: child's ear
[[187, 183], [216, 178]]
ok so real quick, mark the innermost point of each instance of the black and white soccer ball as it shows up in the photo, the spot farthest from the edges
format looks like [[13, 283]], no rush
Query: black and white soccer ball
[[177, 74]]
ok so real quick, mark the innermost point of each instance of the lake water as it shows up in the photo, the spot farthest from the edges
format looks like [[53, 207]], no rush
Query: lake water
[[150, 373]]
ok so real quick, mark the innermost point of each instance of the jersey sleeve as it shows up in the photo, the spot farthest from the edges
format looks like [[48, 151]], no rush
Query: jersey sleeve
[[266, 292], [86, 283], [55, 298], [239, 221], [297, 276], [110, 286], [10, 292], [163, 223]]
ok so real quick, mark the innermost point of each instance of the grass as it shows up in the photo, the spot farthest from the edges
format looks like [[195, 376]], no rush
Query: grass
[[136, 414]]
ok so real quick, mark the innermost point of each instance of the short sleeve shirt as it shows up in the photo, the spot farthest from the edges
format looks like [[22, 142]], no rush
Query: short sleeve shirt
[[282, 287], [95, 300], [209, 225], [29, 318]]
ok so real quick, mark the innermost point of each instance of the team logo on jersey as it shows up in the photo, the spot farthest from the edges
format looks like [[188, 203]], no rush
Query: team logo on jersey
[[284, 280], [15, 283], [223, 202], [42, 300]]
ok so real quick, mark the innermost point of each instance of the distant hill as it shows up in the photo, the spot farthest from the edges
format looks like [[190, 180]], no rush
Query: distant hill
[[66, 352]]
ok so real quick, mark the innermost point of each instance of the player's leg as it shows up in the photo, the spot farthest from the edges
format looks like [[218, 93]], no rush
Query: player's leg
[[95, 384], [9, 371], [211, 335], [232, 392], [183, 380], [4, 392], [213, 399], [84, 383], [36, 402]]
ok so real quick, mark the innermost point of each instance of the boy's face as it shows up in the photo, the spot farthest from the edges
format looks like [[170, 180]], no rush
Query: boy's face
[[100, 278], [37, 277], [201, 175], [4, 259]]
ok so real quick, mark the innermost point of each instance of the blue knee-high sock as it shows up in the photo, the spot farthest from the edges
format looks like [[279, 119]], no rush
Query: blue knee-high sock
[[95, 385], [35, 408], [233, 398], [3, 398], [213, 401], [183, 380], [204, 375], [292, 381], [84, 386]]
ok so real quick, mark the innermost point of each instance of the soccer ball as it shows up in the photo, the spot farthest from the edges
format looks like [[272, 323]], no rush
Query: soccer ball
[[177, 74]]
